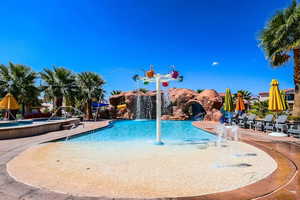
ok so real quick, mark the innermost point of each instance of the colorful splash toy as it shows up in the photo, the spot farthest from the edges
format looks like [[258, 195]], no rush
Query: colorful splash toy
[[150, 73], [174, 74], [165, 84], [159, 79]]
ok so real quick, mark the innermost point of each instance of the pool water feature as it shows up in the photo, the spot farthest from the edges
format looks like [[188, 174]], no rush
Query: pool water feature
[[144, 107], [166, 103], [143, 131]]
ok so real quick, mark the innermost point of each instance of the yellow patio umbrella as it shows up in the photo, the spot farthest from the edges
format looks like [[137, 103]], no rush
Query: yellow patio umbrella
[[228, 104], [283, 96], [276, 104], [240, 106], [9, 103], [275, 98]]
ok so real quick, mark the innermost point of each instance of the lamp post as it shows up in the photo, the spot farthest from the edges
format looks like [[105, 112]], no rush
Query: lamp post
[[158, 79]]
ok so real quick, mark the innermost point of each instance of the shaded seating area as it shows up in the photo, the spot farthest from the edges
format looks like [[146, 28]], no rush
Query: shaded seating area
[[277, 105], [261, 124], [269, 124], [9, 104]]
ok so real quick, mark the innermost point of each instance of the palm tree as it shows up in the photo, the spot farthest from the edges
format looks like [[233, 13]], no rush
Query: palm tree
[[247, 95], [280, 40], [90, 85], [260, 108], [58, 85], [143, 90], [116, 92], [199, 90], [19, 80]]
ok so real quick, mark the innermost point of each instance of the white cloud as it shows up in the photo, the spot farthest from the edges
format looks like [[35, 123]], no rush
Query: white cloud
[[215, 63]]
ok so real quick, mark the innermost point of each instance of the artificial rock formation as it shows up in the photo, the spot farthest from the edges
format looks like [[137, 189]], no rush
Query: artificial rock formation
[[182, 99], [180, 102]]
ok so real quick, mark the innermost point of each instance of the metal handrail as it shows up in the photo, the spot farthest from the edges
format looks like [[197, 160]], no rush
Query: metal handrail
[[59, 108]]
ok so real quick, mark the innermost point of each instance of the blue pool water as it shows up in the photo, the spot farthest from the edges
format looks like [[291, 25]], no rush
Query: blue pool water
[[11, 124], [48, 119], [172, 131]]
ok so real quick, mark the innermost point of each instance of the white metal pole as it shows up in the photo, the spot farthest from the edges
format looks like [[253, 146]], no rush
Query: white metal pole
[[158, 111]]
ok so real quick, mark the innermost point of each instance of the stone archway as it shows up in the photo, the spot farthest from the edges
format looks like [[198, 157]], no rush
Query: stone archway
[[194, 110]]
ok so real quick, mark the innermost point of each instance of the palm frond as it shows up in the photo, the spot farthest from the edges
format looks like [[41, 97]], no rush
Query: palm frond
[[280, 59], [281, 35]]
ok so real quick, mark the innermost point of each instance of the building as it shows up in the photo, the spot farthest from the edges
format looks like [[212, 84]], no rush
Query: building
[[290, 95], [263, 96]]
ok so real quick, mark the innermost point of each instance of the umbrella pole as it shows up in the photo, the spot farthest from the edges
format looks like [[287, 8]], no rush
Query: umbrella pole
[[229, 114], [275, 122]]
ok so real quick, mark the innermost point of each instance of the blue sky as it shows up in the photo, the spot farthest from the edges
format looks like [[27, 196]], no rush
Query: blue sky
[[118, 38]]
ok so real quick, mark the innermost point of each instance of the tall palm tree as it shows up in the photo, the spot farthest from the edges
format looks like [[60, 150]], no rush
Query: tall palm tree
[[90, 85], [58, 85], [260, 108], [20, 81], [143, 90], [247, 95], [280, 40]]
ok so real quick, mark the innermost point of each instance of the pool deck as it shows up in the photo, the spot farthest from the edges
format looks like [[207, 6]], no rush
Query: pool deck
[[283, 183], [13, 190]]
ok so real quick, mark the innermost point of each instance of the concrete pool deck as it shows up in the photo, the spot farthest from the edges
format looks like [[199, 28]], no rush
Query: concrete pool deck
[[284, 183], [140, 170]]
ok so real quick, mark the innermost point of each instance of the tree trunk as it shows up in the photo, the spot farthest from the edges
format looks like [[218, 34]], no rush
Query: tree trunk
[[58, 104], [296, 108], [88, 113], [23, 110], [28, 108]]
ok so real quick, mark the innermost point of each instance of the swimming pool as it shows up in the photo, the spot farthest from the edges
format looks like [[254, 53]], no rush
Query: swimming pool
[[15, 123], [122, 162], [145, 131]]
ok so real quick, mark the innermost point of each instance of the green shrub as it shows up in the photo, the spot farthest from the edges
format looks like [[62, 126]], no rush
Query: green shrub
[[294, 118]]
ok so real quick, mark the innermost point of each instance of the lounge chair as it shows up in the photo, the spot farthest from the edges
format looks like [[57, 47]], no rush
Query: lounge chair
[[281, 123], [294, 130], [241, 120], [262, 125], [250, 121], [235, 118]]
